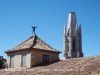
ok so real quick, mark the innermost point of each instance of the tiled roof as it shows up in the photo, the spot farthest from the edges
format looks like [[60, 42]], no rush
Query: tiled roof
[[33, 42], [73, 66]]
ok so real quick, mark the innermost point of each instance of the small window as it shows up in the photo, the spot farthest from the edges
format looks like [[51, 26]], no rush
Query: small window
[[45, 58], [73, 45]]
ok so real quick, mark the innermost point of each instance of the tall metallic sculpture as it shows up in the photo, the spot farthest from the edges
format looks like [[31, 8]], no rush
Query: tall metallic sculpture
[[33, 27]]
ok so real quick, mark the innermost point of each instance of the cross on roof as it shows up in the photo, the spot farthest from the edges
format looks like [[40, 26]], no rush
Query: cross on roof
[[71, 8]]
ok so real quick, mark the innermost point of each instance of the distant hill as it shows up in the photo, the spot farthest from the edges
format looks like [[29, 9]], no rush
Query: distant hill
[[73, 66]]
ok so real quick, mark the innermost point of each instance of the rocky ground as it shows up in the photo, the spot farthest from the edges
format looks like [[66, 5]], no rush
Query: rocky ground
[[74, 66]]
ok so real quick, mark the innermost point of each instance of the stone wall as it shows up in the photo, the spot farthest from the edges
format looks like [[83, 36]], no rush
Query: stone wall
[[37, 56], [18, 57], [34, 57]]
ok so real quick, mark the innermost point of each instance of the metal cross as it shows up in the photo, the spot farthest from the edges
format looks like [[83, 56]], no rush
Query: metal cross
[[71, 8]]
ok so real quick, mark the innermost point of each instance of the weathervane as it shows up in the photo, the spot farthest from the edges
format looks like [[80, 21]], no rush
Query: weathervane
[[33, 27]]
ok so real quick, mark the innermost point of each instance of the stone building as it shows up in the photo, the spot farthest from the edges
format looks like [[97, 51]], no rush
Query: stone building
[[72, 39], [30, 53]]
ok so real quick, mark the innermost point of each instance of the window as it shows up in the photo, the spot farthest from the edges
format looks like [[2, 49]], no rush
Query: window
[[73, 45], [45, 58], [12, 61], [24, 60]]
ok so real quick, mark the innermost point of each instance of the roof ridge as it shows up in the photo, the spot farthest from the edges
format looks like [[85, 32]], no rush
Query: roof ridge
[[35, 37]]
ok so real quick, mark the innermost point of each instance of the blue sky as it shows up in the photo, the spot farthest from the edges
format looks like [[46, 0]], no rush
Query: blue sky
[[17, 17]]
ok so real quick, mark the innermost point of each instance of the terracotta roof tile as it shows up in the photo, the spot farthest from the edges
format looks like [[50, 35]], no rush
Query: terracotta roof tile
[[33, 42], [73, 66]]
